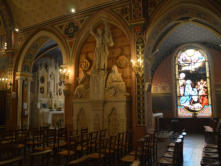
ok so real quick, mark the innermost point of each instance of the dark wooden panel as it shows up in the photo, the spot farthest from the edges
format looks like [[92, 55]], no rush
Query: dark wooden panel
[[162, 103], [189, 124]]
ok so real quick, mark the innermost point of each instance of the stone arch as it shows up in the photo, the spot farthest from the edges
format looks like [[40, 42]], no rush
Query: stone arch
[[113, 122], [42, 33], [81, 120], [95, 20], [168, 16], [178, 14]]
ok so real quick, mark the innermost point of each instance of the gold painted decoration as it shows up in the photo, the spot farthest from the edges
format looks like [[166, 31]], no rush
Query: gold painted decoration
[[122, 61]]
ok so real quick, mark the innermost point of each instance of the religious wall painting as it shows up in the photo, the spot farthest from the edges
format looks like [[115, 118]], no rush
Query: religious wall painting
[[193, 84]]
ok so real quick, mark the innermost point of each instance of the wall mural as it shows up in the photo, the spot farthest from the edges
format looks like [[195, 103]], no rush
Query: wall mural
[[193, 84]]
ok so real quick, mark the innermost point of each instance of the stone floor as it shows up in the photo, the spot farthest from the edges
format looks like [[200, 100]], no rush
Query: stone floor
[[193, 147], [192, 151]]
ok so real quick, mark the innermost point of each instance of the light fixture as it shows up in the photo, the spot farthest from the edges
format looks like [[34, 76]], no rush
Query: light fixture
[[64, 73], [16, 30], [73, 10], [138, 66], [5, 82]]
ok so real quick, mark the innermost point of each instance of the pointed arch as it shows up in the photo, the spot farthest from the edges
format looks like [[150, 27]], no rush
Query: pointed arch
[[93, 21], [179, 13], [39, 34]]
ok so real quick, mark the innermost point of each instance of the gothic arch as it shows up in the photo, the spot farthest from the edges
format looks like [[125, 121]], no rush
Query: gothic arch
[[93, 21], [42, 33], [168, 16], [178, 14]]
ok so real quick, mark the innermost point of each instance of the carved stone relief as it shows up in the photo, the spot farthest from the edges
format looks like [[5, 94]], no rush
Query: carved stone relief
[[113, 122], [81, 120], [122, 61]]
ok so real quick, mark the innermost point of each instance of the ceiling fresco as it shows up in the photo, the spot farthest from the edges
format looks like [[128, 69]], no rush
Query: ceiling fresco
[[27, 13]]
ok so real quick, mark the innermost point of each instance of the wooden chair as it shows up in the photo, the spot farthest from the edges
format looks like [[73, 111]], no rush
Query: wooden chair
[[98, 156], [83, 145], [39, 147], [20, 140], [212, 154], [69, 152], [61, 139], [84, 131], [174, 159], [109, 149], [93, 141], [134, 156], [120, 145], [15, 160], [80, 161]]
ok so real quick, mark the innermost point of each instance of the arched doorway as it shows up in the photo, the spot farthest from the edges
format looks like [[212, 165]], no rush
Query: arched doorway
[[164, 39], [40, 88]]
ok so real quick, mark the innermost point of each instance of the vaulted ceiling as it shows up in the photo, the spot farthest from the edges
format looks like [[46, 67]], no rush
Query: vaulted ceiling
[[27, 13], [188, 32]]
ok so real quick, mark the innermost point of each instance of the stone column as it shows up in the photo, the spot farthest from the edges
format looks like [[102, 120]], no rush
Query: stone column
[[28, 102], [148, 96], [19, 110], [21, 76], [68, 106]]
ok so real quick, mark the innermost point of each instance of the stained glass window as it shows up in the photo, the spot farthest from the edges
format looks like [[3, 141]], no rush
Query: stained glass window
[[193, 84]]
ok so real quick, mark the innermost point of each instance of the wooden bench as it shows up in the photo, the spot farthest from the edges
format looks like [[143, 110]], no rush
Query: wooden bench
[[11, 161]]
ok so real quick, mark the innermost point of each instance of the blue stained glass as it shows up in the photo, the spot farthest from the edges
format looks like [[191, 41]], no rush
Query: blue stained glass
[[193, 89]]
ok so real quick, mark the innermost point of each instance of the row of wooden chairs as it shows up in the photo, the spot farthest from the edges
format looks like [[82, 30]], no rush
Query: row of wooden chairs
[[145, 152], [72, 146], [212, 153], [174, 154], [105, 151]]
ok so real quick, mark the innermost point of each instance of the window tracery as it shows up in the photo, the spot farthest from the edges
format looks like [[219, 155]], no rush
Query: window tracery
[[193, 84]]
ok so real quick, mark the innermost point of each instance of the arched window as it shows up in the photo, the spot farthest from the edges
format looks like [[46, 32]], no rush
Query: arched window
[[193, 84]]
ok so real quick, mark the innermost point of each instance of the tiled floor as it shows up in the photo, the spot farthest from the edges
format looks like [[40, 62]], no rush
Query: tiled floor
[[193, 147]]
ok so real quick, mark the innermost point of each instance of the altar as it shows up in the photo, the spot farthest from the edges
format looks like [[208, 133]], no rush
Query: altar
[[52, 118]]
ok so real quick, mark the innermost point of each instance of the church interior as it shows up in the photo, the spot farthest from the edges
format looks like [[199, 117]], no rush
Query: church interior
[[110, 82]]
